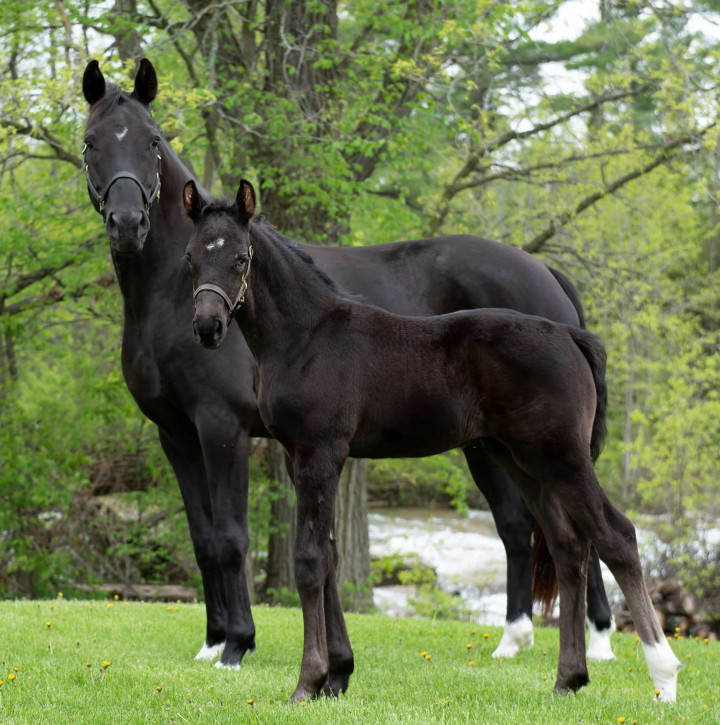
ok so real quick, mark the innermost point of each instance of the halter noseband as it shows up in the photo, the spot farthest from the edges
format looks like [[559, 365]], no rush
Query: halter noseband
[[100, 197], [233, 307]]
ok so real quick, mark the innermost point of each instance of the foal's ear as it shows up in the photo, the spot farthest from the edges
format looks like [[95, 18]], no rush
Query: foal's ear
[[246, 202], [192, 201], [146, 84], [93, 82]]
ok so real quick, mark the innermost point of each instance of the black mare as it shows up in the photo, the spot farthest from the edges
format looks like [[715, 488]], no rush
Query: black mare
[[529, 392], [205, 416]]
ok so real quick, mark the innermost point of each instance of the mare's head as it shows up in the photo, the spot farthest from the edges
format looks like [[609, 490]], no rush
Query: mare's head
[[219, 253], [122, 155]]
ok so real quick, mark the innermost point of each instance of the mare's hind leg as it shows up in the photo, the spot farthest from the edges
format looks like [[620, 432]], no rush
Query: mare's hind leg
[[600, 621], [340, 654], [569, 549], [573, 481], [514, 525], [185, 456]]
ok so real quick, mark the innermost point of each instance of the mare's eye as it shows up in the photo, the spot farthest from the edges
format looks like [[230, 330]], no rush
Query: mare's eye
[[89, 145], [155, 143]]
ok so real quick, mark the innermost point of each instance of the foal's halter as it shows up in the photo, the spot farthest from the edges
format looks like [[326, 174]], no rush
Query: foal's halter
[[233, 307], [100, 197]]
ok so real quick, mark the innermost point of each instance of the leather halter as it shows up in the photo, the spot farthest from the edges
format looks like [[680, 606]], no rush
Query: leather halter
[[233, 307], [100, 197]]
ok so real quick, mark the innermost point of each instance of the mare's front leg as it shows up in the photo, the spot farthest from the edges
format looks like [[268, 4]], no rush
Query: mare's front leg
[[225, 444], [183, 450], [514, 525], [569, 548], [316, 472]]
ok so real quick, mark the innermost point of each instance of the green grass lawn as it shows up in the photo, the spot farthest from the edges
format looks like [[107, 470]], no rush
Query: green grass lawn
[[153, 678]]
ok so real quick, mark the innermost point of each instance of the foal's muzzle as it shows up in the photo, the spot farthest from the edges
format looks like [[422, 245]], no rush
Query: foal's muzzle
[[210, 321]]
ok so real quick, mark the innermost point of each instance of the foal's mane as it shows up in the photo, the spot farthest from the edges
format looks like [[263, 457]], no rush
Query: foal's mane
[[260, 225], [112, 96]]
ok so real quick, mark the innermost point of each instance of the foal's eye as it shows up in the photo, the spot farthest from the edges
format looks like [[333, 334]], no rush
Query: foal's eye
[[188, 258], [155, 143], [89, 145], [241, 261]]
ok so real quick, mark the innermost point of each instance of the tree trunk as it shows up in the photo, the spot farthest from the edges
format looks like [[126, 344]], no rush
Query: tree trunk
[[280, 569]]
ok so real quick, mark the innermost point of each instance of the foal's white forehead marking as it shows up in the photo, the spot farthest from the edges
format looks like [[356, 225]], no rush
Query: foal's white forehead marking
[[121, 134], [216, 244]]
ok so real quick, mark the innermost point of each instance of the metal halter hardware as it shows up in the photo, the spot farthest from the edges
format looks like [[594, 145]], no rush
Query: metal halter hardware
[[100, 197], [239, 297]]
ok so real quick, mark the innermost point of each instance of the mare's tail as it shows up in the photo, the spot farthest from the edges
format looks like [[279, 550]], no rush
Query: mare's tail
[[544, 576], [594, 352], [569, 289]]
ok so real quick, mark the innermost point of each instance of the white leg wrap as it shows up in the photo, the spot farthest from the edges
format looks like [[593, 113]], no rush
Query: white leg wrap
[[664, 668], [517, 634], [209, 653], [599, 647]]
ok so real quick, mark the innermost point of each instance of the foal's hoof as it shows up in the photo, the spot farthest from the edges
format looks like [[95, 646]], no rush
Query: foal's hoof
[[335, 685], [232, 657], [571, 684]]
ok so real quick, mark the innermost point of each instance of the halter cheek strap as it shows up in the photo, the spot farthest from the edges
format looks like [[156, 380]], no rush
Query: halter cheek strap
[[233, 307], [100, 197]]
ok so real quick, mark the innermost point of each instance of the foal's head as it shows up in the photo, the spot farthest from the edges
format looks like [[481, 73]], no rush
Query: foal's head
[[122, 155], [219, 253]]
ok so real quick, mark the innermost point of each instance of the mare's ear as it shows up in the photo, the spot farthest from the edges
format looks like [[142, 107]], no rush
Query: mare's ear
[[192, 201], [93, 82], [146, 84], [246, 202]]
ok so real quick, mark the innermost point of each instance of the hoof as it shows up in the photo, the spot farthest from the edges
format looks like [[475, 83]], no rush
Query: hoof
[[232, 657], [220, 665], [336, 685], [517, 635], [209, 652], [571, 684], [599, 647]]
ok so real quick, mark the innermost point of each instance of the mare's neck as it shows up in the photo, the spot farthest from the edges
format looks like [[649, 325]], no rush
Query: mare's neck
[[286, 298], [160, 269]]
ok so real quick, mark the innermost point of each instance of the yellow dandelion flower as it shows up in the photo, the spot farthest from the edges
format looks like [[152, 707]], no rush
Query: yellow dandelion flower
[[60, 595], [177, 609], [90, 608], [427, 657], [629, 669], [474, 632], [0, 683], [250, 702], [16, 669], [116, 597], [486, 635], [681, 637], [48, 624], [706, 640], [471, 663], [88, 664], [544, 677], [621, 719], [159, 687], [302, 703], [697, 639], [687, 657], [11, 676], [178, 601], [468, 645], [105, 664], [110, 605], [169, 609], [637, 639], [657, 692], [422, 654], [704, 707], [52, 606], [677, 629]]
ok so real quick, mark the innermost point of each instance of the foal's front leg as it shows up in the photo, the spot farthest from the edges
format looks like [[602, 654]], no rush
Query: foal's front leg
[[316, 472]]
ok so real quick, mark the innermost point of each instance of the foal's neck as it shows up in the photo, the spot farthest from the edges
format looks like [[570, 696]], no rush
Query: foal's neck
[[286, 296]]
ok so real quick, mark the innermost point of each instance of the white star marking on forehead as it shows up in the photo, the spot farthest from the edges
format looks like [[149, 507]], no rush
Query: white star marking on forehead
[[121, 135], [216, 244]]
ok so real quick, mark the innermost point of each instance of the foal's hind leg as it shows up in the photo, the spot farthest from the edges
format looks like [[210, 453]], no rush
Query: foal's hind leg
[[575, 484], [569, 549], [514, 525], [600, 621]]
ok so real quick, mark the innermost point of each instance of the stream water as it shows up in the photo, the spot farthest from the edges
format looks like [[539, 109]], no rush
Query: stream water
[[466, 554]]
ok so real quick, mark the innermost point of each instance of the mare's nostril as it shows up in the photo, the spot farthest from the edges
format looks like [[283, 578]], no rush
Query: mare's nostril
[[218, 329]]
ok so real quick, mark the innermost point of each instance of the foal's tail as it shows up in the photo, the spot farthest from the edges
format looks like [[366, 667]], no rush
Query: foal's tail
[[569, 289], [594, 352]]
